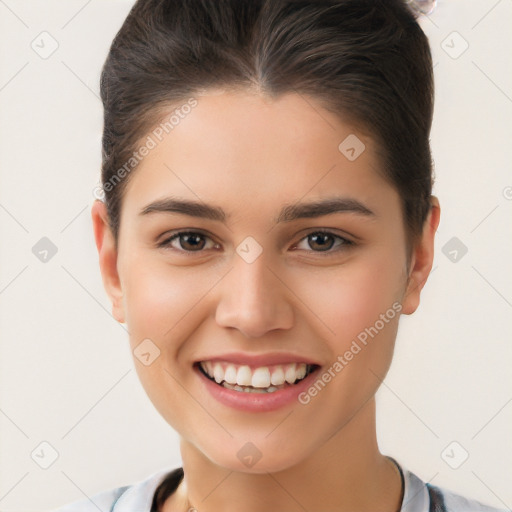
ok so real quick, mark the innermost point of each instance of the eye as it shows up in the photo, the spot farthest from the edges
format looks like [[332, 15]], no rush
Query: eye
[[188, 241], [323, 241], [195, 241]]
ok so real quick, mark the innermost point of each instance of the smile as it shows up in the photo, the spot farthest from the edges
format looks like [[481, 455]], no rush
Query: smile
[[262, 379]]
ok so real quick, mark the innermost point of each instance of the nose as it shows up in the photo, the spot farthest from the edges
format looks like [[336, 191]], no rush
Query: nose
[[253, 299]]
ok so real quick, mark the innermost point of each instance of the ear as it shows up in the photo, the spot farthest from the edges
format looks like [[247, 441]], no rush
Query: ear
[[107, 258], [421, 260]]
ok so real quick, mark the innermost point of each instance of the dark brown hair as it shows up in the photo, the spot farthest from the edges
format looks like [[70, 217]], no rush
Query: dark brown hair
[[368, 61]]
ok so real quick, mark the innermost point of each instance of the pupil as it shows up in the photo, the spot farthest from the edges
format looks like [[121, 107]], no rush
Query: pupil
[[194, 240], [320, 239]]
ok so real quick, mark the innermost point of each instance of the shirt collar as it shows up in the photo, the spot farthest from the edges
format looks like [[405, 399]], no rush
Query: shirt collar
[[416, 498], [139, 496]]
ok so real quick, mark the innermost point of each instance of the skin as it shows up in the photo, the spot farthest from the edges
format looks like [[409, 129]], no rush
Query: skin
[[251, 155]]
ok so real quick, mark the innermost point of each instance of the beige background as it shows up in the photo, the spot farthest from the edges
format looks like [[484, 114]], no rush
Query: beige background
[[66, 374]]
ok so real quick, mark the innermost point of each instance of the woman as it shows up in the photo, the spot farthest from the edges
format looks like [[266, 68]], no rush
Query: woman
[[268, 216]]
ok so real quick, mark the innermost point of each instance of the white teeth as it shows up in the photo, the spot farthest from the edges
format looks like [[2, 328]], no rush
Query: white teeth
[[290, 374], [218, 373], [249, 389], [230, 375], [264, 377], [277, 377], [261, 378], [244, 376]]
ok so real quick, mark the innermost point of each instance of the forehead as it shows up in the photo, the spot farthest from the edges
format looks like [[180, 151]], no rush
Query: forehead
[[234, 147]]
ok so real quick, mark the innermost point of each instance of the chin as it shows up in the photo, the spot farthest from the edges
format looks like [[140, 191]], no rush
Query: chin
[[251, 460]]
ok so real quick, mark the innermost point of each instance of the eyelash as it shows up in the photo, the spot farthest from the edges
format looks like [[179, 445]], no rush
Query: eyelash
[[344, 245]]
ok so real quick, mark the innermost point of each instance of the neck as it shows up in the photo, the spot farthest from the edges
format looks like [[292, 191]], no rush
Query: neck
[[346, 473]]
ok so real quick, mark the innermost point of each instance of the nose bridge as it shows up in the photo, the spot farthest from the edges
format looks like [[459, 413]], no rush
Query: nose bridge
[[252, 299]]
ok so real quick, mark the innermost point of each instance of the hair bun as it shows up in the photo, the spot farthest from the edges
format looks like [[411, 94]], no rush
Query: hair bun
[[423, 6]]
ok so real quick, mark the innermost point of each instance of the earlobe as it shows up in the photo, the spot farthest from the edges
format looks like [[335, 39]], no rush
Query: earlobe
[[422, 259], [107, 252]]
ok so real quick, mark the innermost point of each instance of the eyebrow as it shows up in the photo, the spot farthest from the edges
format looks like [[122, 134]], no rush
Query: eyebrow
[[288, 213]]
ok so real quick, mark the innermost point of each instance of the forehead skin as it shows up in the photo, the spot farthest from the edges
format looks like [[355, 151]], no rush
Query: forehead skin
[[250, 155]]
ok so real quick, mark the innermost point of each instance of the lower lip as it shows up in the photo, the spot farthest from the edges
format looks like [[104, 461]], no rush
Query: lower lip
[[256, 402]]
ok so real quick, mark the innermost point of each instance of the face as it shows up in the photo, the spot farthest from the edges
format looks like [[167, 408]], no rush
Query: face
[[289, 289]]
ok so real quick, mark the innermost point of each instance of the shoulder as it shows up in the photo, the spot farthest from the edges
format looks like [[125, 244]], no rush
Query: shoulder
[[420, 496], [103, 501], [127, 498]]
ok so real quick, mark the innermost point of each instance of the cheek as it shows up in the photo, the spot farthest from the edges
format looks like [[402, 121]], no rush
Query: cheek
[[157, 297], [161, 304], [350, 298], [360, 304]]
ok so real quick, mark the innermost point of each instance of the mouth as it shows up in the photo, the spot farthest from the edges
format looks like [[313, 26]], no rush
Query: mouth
[[261, 379]]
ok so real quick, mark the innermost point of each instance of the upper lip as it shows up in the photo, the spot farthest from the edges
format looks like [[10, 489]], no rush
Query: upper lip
[[257, 360]]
